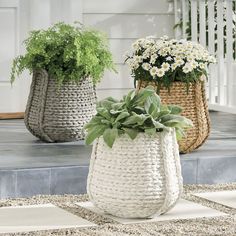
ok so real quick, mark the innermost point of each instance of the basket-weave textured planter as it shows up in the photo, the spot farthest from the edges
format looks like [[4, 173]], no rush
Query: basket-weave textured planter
[[195, 108], [58, 113], [135, 178]]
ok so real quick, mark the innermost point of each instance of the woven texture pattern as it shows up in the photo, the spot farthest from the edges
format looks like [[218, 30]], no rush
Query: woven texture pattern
[[135, 178], [195, 108], [58, 113]]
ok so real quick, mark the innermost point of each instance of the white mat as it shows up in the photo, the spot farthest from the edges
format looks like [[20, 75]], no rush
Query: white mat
[[227, 198], [183, 210], [38, 217]]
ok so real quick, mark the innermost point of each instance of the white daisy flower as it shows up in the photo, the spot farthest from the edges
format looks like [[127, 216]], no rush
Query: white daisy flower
[[165, 66], [146, 66], [153, 71], [194, 64], [136, 46], [174, 66], [187, 68], [135, 65], [202, 65], [162, 52], [138, 59], [160, 72], [179, 62], [145, 55]]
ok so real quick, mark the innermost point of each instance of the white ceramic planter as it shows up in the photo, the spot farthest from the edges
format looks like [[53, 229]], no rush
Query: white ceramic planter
[[135, 178]]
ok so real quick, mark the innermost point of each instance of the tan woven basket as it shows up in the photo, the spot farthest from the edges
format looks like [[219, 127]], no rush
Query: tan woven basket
[[194, 106], [58, 113], [135, 178]]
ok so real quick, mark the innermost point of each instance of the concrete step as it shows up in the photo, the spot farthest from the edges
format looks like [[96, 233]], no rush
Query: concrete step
[[29, 167]]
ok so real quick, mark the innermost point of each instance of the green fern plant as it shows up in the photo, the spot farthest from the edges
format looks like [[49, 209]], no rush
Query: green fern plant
[[139, 111], [66, 52]]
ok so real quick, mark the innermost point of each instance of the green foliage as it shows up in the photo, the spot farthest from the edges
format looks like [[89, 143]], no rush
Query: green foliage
[[139, 111], [66, 52]]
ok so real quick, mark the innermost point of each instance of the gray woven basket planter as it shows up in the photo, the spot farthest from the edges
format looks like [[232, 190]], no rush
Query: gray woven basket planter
[[58, 113], [135, 178]]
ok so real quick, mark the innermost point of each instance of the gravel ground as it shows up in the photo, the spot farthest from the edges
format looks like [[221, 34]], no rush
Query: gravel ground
[[224, 225]]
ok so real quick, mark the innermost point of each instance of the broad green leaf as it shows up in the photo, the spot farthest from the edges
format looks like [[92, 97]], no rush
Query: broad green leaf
[[131, 120], [139, 110], [164, 108], [107, 103], [172, 123], [116, 124], [135, 118], [168, 117], [150, 131], [132, 133], [107, 122], [162, 113], [187, 122], [179, 133], [94, 133], [175, 109], [103, 112], [110, 136], [115, 112], [111, 99], [152, 104], [143, 94], [117, 106], [122, 115], [157, 124], [129, 96], [93, 122], [178, 121]]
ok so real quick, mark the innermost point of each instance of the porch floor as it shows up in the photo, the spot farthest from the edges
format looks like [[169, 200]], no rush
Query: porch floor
[[29, 166]]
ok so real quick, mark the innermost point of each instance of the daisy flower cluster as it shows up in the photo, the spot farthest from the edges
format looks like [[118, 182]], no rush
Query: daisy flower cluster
[[164, 58]]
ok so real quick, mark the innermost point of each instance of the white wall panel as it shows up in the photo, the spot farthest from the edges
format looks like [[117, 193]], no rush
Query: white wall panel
[[119, 80], [8, 38], [9, 46], [116, 93], [119, 47], [131, 26], [39, 10], [126, 6], [66, 10]]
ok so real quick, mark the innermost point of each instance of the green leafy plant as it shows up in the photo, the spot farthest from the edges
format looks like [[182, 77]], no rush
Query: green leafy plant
[[139, 111], [67, 52]]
